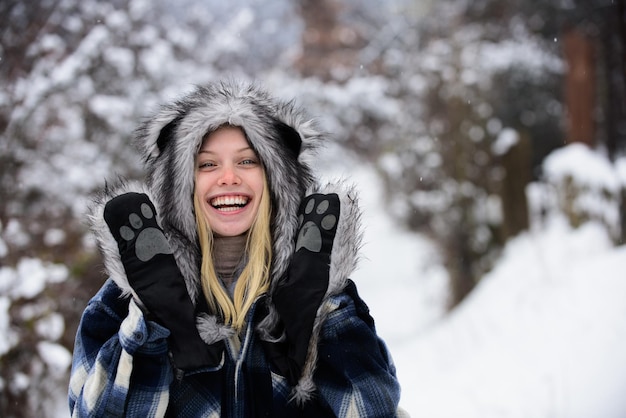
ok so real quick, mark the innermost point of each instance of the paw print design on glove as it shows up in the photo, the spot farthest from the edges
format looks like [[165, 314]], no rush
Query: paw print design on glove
[[150, 240], [156, 280], [318, 222], [131, 218], [300, 292]]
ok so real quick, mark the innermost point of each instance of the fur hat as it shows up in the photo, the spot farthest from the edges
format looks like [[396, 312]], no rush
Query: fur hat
[[280, 134]]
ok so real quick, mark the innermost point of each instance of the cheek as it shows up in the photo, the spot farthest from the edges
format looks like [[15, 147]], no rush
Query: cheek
[[258, 181], [201, 183]]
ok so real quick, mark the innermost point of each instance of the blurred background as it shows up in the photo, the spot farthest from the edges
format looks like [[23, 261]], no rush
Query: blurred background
[[472, 127]]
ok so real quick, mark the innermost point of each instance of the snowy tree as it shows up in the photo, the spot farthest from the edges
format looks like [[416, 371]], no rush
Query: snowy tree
[[444, 169], [78, 77], [467, 73]]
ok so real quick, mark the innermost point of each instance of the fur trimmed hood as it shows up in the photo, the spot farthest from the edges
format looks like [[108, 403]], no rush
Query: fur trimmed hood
[[285, 140], [279, 133]]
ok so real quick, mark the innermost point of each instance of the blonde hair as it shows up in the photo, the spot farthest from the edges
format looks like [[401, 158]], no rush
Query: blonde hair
[[255, 277]]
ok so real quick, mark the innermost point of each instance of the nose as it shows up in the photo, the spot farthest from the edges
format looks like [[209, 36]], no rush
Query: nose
[[228, 177]]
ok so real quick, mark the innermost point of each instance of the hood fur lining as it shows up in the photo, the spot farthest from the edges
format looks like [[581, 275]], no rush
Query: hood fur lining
[[169, 142]]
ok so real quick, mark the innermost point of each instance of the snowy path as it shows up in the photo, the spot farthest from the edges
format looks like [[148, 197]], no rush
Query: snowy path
[[541, 336]]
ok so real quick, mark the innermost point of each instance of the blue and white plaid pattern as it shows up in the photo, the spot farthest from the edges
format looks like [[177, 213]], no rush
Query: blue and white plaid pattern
[[121, 368], [113, 339]]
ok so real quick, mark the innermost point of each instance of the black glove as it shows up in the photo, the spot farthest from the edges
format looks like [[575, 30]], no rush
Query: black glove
[[298, 296], [154, 276]]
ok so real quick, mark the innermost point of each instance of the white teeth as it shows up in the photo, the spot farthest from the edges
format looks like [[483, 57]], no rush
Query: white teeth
[[229, 202]]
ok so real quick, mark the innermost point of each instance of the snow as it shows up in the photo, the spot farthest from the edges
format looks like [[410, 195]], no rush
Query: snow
[[20, 382], [54, 236], [542, 335], [568, 161], [69, 69], [9, 339], [153, 58], [585, 182], [102, 105], [51, 327], [15, 234], [507, 139], [27, 281], [56, 357], [122, 59]]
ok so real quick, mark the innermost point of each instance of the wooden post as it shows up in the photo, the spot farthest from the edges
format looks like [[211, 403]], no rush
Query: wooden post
[[518, 174], [580, 88], [326, 44]]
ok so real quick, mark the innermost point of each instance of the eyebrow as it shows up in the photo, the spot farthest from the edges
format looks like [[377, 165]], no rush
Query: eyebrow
[[205, 151]]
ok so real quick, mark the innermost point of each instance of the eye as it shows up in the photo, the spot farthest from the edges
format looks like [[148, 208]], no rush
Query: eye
[[205, 165], [249, 161]]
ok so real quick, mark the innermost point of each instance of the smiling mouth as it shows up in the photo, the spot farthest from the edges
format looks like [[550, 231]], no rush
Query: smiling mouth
[[229, 203]]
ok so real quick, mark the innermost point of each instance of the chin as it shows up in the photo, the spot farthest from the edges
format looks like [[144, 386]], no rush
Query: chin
[[230, 232]]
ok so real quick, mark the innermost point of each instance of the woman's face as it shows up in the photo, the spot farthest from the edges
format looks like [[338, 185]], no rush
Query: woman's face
[[229, 182]]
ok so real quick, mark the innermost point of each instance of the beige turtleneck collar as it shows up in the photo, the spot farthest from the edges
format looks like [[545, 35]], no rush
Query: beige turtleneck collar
[[228, 255]]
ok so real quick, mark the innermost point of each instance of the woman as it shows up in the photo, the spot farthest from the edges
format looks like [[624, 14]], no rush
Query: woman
[[233, 298]]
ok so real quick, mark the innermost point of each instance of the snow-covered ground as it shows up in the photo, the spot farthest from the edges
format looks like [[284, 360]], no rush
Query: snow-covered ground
[[542, 335]]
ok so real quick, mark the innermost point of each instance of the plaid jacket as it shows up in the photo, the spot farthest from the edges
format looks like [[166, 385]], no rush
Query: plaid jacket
[[121, 369]]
